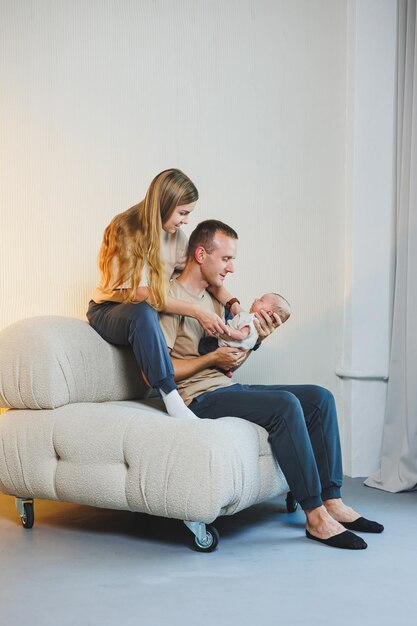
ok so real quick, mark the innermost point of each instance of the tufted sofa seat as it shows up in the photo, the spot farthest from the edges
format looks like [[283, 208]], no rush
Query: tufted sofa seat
[[81, 428]]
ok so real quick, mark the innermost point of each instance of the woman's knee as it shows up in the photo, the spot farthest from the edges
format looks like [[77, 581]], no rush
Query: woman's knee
[[143, 317], [143, 311], [145, 326]]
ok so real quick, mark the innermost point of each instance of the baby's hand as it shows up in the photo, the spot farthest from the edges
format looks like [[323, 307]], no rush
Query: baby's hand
[[237, 335]]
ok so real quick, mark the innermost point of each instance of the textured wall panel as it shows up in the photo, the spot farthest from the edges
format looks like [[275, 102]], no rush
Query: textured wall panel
[[248, 97]]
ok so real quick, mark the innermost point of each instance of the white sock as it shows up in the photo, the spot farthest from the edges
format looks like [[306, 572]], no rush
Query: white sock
[[175, 405]]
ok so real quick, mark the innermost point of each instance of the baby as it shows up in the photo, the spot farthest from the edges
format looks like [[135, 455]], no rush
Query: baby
[[243, 322], [244, 331]]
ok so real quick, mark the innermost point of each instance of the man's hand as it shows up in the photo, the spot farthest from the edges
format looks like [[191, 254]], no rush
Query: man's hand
[[265, 325], [229, 358]]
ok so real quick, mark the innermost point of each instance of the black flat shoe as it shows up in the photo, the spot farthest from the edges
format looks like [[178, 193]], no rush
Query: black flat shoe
[[346, 541], [363, 525]]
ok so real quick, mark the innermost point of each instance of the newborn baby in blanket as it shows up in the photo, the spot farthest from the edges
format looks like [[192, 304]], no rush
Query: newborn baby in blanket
[[243, 322], [245, 333]]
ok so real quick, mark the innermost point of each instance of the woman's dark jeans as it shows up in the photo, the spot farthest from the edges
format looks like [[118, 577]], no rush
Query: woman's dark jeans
[[137, 325]]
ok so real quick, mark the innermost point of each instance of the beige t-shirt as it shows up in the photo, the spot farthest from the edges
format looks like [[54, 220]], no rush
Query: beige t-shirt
[[183, 335], [174, 254]]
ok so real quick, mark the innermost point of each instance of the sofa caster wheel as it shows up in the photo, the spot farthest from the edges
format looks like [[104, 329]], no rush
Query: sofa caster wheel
[[28, 518], [26, 512], [206, 538], [291, 502], [209, 542]]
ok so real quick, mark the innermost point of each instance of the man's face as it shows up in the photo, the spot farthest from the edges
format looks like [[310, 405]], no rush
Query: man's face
[[219, 263]]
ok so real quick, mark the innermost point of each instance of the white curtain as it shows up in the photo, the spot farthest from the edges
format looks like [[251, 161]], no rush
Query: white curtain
[[398, 469]]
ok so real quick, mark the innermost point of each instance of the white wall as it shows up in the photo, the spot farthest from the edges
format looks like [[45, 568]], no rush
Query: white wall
[[249, 98]]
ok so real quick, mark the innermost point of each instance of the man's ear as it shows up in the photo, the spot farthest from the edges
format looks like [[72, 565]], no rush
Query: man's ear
[[200, 254]]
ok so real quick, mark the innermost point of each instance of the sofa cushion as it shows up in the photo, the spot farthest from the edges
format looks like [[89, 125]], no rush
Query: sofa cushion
[[47, 362], [132, 456]]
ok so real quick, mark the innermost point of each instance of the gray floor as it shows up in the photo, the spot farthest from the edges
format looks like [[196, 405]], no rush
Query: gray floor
[[85, 566]]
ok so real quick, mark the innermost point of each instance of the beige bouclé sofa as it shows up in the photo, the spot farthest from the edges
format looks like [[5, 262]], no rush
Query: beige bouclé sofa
[[82, 429]]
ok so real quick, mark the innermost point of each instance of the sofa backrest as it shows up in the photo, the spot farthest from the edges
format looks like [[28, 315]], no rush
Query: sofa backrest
[[46, 362]]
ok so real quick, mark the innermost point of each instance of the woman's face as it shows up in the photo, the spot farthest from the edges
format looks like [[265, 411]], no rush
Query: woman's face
[[178, 218]]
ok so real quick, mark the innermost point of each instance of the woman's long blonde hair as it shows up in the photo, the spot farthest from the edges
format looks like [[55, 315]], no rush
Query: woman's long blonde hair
[[134, 236]]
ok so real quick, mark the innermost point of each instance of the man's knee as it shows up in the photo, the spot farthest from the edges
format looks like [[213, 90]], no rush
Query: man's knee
[[322, 397], [286, 416], [288, 408]]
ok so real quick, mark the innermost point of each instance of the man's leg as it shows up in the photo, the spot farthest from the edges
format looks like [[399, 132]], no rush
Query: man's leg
[[281, 414], [319, 410], [320, 413]]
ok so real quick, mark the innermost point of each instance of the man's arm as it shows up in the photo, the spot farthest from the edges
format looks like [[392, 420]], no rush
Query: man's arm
[[185, 368], [223, 296], [223, 358]]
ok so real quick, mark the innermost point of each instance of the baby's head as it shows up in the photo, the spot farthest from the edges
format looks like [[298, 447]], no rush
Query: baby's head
[[272, 303]]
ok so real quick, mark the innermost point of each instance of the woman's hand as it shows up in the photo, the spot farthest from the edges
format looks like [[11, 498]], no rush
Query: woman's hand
[[211, 323], [265, 325], [229, 358]]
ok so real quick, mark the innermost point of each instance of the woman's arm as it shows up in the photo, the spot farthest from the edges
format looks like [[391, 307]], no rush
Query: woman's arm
[[211, 323], [208, 320]]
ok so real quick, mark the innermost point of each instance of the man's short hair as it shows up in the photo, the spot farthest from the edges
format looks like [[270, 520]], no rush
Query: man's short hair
[[204, 233]]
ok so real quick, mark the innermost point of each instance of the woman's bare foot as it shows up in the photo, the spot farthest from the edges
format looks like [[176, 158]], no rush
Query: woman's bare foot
[[339, 511], [321, 524]]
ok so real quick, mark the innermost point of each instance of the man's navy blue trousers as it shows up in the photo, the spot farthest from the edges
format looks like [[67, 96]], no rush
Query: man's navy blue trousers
[[301, 422]]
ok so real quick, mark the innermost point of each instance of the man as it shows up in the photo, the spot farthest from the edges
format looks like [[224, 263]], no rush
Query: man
[[300, 419]]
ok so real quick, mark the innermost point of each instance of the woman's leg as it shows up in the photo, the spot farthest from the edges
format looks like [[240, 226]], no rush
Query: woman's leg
[[138, 325]]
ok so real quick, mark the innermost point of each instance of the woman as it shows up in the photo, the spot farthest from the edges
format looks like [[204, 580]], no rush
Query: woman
[[142, 249]]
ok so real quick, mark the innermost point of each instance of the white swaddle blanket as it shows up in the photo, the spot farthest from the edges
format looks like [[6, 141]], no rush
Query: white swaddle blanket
[[238, 322]]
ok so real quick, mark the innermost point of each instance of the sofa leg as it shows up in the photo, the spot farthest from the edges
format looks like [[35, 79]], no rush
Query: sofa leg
[[206, 538], [25, 510]]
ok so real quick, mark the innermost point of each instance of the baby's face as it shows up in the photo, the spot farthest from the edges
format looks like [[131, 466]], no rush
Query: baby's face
[[267, 302]]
